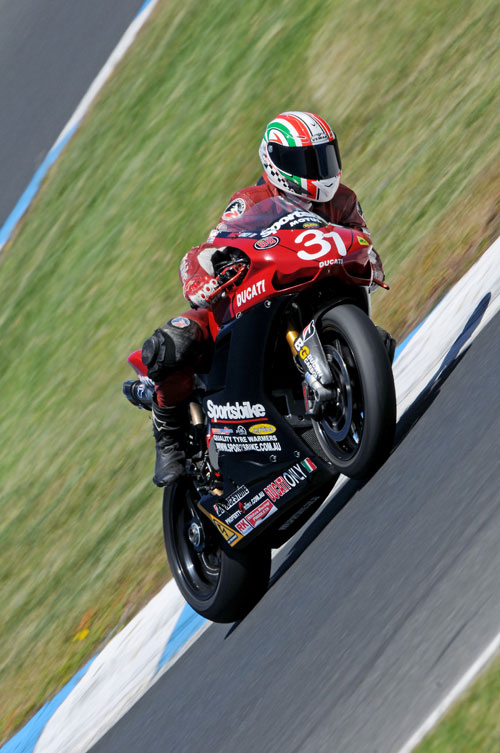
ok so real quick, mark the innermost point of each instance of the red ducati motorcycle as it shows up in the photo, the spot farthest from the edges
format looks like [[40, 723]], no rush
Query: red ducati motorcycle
[[300, 390]]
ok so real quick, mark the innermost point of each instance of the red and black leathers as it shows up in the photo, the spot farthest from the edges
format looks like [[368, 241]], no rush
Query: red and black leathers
[[170, 363]]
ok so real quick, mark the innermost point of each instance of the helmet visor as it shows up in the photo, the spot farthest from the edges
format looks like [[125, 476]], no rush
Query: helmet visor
[[313, 162]]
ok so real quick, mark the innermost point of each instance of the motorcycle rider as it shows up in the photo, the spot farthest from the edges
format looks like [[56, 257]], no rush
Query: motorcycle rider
[[301, 161]]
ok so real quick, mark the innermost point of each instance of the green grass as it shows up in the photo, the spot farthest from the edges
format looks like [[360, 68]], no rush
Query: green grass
[[473, 724], [412, 90]]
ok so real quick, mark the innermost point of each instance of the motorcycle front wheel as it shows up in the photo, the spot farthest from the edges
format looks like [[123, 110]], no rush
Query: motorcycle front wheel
[[219, 583], [356, 429]]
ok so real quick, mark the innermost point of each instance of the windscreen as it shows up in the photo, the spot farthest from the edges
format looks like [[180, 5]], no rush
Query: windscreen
[[271, 215]]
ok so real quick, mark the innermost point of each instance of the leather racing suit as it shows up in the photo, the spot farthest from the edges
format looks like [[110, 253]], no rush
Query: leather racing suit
[[187, 340]]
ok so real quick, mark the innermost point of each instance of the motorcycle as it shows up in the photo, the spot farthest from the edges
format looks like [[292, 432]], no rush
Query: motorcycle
[[300, 389]]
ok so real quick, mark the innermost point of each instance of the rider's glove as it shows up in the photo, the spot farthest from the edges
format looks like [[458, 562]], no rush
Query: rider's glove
[[208, 272]]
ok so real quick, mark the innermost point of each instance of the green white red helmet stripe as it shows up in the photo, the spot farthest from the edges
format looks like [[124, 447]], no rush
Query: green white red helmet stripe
[[324, 125], [280, 132], [302, 130], [298, 129]]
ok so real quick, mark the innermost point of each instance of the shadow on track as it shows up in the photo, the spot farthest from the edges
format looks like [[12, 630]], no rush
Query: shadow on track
[[449, 363], [417, 409]]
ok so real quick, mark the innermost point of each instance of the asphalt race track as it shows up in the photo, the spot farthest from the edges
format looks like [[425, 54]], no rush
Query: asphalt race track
[[380, 604], [50, 52], [374, 613]]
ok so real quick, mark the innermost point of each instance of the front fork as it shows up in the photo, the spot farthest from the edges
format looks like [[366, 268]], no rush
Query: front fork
[[311, 360]]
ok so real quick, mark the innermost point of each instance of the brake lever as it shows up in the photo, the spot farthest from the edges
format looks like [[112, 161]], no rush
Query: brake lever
[[240, 271]]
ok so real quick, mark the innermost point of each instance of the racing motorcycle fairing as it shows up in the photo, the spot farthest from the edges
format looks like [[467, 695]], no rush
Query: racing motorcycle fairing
[[251, 443], [282, 260], [260, 441]]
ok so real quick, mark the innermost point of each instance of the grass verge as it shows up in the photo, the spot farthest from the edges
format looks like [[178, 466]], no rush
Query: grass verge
[[413, 92], [473, 723]]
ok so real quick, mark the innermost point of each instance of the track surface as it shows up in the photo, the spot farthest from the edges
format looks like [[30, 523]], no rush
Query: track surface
[[50, 52], [373, 613]]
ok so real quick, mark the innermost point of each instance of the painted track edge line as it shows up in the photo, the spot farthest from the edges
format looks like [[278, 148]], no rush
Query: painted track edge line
[[23, 203], [452, 696]]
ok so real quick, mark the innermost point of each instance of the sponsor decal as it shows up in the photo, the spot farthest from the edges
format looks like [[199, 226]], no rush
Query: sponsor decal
[[290, 478], [310, 224], [261, 429], [251, 292], [292, 219], [225, 431], [219, 509], [180, 321], [234, 209], [235, 411], [308, 332], [246, 444], [244, 506], [329, 262], [241, 431], [243, 527], [264, 243], [362, 241], [228, 533], [262, 511], [240, 493], [310, 362], [235, 516]]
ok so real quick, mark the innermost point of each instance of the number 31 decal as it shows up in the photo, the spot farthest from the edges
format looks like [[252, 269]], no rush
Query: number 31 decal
[[317, 238]]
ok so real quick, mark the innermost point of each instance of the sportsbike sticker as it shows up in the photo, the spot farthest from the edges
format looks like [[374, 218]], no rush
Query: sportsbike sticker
[[235, 411], [291, 220]]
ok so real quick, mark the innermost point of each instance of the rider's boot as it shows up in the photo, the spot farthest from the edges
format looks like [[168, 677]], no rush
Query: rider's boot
[[169, 424]]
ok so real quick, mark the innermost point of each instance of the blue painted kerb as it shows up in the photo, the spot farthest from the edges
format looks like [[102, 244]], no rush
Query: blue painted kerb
[[34, 186], [187, 625]]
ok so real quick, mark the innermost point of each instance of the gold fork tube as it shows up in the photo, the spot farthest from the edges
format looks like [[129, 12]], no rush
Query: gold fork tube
[[291, 336]]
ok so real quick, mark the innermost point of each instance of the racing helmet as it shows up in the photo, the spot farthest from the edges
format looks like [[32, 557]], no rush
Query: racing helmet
[[300, 156]]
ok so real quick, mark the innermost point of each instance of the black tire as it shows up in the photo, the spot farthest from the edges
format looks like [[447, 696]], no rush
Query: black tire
[[357, 431], [220, 583]]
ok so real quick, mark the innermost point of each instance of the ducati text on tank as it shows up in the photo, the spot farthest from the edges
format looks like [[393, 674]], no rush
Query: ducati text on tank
[[251, 292]]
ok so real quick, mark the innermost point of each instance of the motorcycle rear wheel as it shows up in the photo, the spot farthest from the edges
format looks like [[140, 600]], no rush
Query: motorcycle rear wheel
[[219, 583], [356, 430]]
